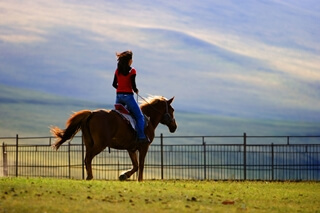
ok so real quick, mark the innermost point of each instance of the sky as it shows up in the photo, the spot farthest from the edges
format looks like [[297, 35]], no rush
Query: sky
[[257, 59]]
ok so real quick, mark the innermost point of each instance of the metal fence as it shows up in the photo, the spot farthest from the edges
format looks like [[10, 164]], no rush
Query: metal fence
[[172, 157]]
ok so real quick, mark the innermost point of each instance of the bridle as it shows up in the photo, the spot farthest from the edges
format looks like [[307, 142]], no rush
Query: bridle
[[166, 117]]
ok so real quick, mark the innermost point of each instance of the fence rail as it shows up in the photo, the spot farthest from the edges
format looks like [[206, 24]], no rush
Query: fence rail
[[172, 157]]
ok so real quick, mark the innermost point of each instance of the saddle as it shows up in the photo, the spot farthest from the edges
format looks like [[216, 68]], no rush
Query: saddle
[[126, 115]]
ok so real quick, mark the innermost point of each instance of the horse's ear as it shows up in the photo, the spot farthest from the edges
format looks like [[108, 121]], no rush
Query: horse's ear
[[170, 101]]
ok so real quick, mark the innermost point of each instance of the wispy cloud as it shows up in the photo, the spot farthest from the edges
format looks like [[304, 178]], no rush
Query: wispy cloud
[[21, 38], [187, 41]]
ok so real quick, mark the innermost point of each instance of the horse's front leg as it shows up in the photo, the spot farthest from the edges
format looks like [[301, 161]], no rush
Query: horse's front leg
[[134, 160], [142, 155]]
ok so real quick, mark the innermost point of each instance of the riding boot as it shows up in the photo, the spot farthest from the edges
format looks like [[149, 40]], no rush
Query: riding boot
[[143, 141]]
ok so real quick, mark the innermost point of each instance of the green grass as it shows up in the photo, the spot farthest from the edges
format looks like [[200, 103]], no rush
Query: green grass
[[60, 195]]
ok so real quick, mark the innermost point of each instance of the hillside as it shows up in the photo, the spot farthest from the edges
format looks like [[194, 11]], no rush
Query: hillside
[[30, 113]]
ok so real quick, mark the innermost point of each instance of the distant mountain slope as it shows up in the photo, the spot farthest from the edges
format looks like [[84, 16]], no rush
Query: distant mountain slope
[[30, 113]]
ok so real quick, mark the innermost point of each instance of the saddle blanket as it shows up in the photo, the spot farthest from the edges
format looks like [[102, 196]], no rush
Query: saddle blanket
[[128, 118], [125, 114]]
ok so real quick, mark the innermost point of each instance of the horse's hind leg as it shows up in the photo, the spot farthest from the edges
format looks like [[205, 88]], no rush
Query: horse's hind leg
[[134, 160], [88, 161]]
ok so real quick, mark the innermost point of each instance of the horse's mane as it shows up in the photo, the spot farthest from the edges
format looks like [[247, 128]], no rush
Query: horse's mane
[[151, 100]]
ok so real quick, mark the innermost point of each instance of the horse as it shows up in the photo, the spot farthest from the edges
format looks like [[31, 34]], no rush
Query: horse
[[106, 128]]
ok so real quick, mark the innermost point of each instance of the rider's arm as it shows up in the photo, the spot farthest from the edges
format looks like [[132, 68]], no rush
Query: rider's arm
[[115, 82], [133, 84]]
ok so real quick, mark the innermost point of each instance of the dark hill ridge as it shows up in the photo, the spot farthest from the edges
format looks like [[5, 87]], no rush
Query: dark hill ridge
[[31, 113]]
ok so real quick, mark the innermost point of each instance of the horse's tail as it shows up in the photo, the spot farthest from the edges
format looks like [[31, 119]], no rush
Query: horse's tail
[[73, 125]]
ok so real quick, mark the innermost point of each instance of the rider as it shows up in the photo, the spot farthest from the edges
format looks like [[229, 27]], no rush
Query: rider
[[125, 83]]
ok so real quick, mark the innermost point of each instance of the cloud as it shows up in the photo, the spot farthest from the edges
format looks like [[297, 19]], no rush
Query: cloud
[[198, 48], [297, 63], [21, 38]]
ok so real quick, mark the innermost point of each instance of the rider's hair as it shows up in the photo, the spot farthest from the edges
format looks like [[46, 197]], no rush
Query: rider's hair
[[123, 62]]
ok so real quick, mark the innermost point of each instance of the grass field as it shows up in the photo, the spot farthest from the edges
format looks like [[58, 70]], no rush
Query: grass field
[[60, 195]]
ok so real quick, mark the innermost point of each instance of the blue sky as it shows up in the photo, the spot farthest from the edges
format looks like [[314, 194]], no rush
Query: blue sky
[[257, 59]]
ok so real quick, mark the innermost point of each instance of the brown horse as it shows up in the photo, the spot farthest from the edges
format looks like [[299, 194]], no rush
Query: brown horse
[[106, 128]]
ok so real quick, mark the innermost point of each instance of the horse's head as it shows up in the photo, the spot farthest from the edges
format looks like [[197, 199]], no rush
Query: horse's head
[[168, 117], [161, 110]]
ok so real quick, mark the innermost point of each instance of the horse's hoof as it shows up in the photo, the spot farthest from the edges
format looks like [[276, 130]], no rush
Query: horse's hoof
[[89, 178], [123, 177]]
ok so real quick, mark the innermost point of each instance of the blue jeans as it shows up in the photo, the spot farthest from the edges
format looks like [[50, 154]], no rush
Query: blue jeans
[[132, 106]]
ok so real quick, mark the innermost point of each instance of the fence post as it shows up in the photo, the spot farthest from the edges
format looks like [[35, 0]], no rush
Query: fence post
[[17, 154], [204, 158], [244, 156], [161, 154], [82, 152], [69, 160], [5, 160], [272, 158]]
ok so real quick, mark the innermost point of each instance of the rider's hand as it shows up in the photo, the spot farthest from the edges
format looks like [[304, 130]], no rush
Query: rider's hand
[[137, 92]]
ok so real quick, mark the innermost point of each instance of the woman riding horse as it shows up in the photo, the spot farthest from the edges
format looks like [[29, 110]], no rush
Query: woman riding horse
[[106, 128], [125, 83]]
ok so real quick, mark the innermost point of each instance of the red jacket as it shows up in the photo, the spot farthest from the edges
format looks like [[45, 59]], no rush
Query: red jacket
[[125, 83]]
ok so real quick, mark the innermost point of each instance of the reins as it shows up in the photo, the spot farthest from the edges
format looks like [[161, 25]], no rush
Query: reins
[[142, 98], [167, 118], [151, 104]]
